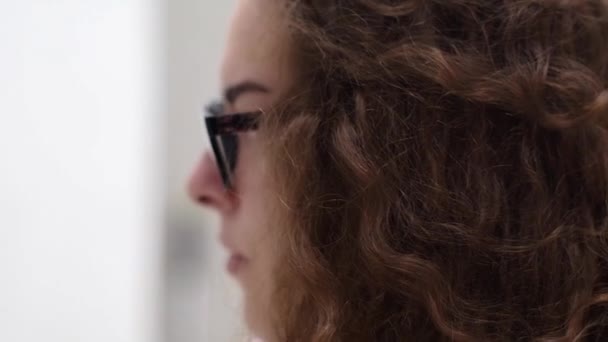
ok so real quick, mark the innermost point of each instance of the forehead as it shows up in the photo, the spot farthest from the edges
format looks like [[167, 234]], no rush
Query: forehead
[[257, 48]]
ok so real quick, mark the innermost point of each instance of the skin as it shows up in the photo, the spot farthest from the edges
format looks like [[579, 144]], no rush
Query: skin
[[257, 51]]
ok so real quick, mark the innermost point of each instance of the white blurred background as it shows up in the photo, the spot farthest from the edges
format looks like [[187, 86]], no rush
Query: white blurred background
[[99, 126]]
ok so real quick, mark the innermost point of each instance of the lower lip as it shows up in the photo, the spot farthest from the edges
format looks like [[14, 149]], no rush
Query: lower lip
[[236, 263]]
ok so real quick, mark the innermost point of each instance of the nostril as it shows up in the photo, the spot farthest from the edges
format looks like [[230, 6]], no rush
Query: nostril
[[205, 200], [205, 186]]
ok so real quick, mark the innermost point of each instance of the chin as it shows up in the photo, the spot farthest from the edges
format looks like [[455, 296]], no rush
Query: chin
[[257, 319]]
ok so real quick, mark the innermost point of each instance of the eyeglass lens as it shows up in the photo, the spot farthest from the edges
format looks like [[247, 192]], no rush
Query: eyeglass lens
[[228, 154]]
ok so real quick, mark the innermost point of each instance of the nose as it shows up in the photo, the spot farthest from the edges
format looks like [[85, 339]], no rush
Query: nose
[[205, 186]]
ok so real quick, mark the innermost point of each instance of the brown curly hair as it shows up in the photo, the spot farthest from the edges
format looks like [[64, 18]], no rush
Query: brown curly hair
[[442, 171]]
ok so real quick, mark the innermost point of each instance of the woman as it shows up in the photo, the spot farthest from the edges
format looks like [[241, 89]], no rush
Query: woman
[[416, 170]]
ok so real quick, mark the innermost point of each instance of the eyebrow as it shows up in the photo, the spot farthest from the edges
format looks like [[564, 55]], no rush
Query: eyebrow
[[233, 92]]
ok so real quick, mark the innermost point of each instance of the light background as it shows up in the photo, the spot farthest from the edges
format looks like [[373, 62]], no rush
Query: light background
[[99, 127]]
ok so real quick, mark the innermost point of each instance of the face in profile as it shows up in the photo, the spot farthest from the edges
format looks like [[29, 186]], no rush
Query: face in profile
[[255, 73], [441, 172]]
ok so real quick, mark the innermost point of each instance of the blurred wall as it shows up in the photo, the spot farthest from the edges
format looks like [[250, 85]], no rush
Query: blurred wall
[[201, 303], [81, 99], [100, 104]]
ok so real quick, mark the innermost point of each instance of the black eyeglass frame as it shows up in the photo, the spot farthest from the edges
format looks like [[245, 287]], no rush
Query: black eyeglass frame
[[226, 126]]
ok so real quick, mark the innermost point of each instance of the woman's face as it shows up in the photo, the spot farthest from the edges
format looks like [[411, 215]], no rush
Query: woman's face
[[255, 73]]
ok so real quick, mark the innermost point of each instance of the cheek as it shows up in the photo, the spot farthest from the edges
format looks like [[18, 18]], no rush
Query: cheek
[[250, 171], [251, 185], [258, 235], [257, 229]]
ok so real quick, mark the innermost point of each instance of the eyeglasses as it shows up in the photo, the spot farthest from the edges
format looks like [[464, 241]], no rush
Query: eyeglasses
[[223, 129]]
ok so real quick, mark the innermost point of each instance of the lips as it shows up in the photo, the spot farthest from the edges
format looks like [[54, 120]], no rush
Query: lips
[[235, 264], [236, 260]]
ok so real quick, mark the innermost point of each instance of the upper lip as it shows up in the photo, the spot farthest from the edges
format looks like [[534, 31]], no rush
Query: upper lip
[[225, 241]]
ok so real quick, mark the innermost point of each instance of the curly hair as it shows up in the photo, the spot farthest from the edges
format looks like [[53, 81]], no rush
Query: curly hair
[[442, 171]]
